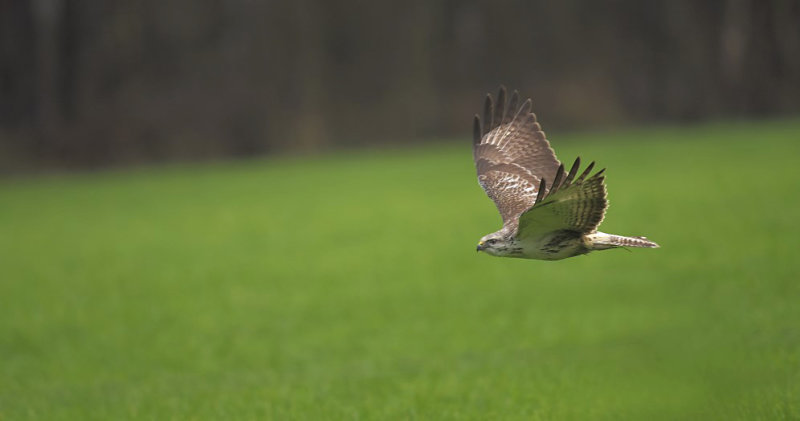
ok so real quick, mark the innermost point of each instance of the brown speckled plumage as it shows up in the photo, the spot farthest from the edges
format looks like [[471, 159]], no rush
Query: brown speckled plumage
[[548, 213]]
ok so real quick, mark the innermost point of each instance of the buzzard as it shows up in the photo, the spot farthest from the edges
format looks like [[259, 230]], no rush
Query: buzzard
[[548, 213]]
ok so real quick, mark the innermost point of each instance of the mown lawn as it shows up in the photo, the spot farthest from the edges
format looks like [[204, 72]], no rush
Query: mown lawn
[[347, 286]]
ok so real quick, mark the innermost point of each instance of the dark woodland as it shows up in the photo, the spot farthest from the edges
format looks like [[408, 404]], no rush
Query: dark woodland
[[87, 83]]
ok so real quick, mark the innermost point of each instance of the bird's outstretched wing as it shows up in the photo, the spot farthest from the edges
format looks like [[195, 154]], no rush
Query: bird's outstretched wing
[[573, 202], [512, 154]]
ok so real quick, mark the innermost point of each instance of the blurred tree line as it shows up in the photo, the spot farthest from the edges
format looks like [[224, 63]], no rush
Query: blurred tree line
[[95, 82]]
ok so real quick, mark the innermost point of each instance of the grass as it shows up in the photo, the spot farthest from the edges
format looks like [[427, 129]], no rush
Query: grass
[[347, 287]]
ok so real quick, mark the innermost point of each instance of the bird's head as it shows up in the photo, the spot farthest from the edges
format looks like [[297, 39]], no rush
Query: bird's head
[[496, 244]]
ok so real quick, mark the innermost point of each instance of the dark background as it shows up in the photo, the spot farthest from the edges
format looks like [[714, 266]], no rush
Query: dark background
[[87, 83]]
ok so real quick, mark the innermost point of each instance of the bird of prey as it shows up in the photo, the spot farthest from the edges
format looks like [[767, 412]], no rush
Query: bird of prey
[[548, 213]]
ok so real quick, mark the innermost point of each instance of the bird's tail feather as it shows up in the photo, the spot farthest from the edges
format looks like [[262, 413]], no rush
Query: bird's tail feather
[[602, 241]]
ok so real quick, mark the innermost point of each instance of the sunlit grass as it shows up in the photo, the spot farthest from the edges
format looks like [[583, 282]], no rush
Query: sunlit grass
[[347, 287]]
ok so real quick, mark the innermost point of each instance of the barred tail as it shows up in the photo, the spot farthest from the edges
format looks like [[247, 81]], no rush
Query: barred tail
[[602, 241]]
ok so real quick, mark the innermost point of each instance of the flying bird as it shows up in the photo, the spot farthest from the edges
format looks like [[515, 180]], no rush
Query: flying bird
[[548, 213]]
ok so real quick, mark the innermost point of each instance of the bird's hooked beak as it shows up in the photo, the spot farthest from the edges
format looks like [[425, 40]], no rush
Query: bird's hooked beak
[[480, 247]]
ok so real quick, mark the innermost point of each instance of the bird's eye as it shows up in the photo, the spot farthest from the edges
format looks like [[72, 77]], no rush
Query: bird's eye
[[491, 241]]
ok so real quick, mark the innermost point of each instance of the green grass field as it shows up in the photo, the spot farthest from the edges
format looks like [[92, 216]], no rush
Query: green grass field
[[347, 286]]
